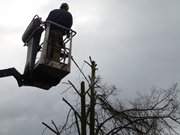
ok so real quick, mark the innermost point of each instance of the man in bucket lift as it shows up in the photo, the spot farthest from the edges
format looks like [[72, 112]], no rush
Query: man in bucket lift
[[60, 16], [63, 17]]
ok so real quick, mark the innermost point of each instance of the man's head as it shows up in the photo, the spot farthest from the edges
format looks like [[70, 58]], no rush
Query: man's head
[[64, 6]]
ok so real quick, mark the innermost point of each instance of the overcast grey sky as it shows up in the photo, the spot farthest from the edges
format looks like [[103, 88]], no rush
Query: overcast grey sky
[[135, 43]]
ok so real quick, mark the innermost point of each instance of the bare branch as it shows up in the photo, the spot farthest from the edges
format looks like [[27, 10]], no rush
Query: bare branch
[[51, 129], [71, 107], [74, 87]]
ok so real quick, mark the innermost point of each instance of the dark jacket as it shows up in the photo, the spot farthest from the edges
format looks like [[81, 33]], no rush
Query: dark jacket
[[62, 17]]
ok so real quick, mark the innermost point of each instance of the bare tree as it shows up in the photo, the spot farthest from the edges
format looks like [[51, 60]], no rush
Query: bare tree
[[100, 113], [154, 114]]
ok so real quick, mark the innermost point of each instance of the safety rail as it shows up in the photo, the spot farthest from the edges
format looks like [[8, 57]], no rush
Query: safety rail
[[26, 37], [72, 32]]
